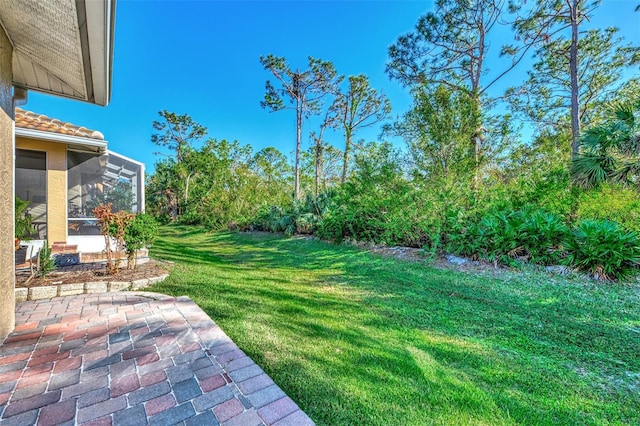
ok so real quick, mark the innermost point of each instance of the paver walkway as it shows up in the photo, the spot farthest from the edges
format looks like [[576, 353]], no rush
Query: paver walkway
[[131, 359]]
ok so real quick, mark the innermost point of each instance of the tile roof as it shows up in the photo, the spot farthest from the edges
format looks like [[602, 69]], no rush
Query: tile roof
[[31, 120]]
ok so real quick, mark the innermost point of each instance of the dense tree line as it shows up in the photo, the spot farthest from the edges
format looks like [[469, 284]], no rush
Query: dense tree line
[[466, 173]]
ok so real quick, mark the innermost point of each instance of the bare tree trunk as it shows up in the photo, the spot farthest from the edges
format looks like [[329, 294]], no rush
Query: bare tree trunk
[[573, 70], [319, 154], [317, 171], [347, 149], [131, 260], [477, 137], [186, 189], [476, 141], [318, 163], [110, 262], [476, 163], [172, 205], [296, 192]]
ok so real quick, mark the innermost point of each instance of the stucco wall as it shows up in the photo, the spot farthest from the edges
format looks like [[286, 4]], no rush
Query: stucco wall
[[56, 185], [7, 152]]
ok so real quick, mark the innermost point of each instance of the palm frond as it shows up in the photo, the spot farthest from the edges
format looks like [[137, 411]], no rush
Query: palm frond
[[624, 112], [594, 137], [592, 169], [627, 171]]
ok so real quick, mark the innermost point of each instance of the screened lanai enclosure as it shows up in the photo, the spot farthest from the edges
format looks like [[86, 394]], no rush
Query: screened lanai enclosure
[[99, 179], [31, 186]]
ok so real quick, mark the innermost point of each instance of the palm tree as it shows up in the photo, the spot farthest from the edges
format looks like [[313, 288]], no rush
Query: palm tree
[[610, 152]]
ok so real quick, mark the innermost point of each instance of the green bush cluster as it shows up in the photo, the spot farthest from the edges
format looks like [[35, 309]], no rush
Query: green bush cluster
[[300, 218], [611, 202], [378, 204], [604, 249], [600, 247], [380, 217], [506, 237], [140, 233]]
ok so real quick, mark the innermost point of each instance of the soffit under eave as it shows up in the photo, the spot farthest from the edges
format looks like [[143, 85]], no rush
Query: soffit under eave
[[62, 47]]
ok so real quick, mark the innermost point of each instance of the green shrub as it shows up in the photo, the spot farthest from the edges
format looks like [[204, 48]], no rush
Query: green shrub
[[543, 235], [286, 224], [610, 202], [139, 233], [306, 223], [268, 219], [550, 191], [495, 237], [391, 213], [502, 237], [463, 238], [334, 224], [299, 218], [604, 249], [46, 264]]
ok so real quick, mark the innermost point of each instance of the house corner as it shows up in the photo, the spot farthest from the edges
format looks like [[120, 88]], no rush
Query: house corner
[[7, 275]]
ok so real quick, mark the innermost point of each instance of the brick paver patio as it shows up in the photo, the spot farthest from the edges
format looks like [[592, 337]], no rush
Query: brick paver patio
[[131, 359]]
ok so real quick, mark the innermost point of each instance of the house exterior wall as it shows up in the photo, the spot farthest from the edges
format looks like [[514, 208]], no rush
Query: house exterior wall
[[7, 153], [56, 185]]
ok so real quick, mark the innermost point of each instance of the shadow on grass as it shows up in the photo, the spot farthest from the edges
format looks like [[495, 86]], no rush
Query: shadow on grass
[[473, 349]]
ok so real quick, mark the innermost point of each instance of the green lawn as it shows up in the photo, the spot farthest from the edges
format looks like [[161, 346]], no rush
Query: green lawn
[[358, 339]]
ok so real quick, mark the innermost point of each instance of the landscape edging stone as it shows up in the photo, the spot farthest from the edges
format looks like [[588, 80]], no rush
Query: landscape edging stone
[[47, 292]]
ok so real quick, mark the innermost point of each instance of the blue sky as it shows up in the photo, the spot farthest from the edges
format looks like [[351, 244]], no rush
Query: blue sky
[[202, 58]]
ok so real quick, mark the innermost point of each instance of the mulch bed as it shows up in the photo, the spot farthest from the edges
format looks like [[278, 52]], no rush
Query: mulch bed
[[92, 272]]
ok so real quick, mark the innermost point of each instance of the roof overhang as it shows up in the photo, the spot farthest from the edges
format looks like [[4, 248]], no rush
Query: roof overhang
[[62, 47], [125, 159], [73, 142]]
